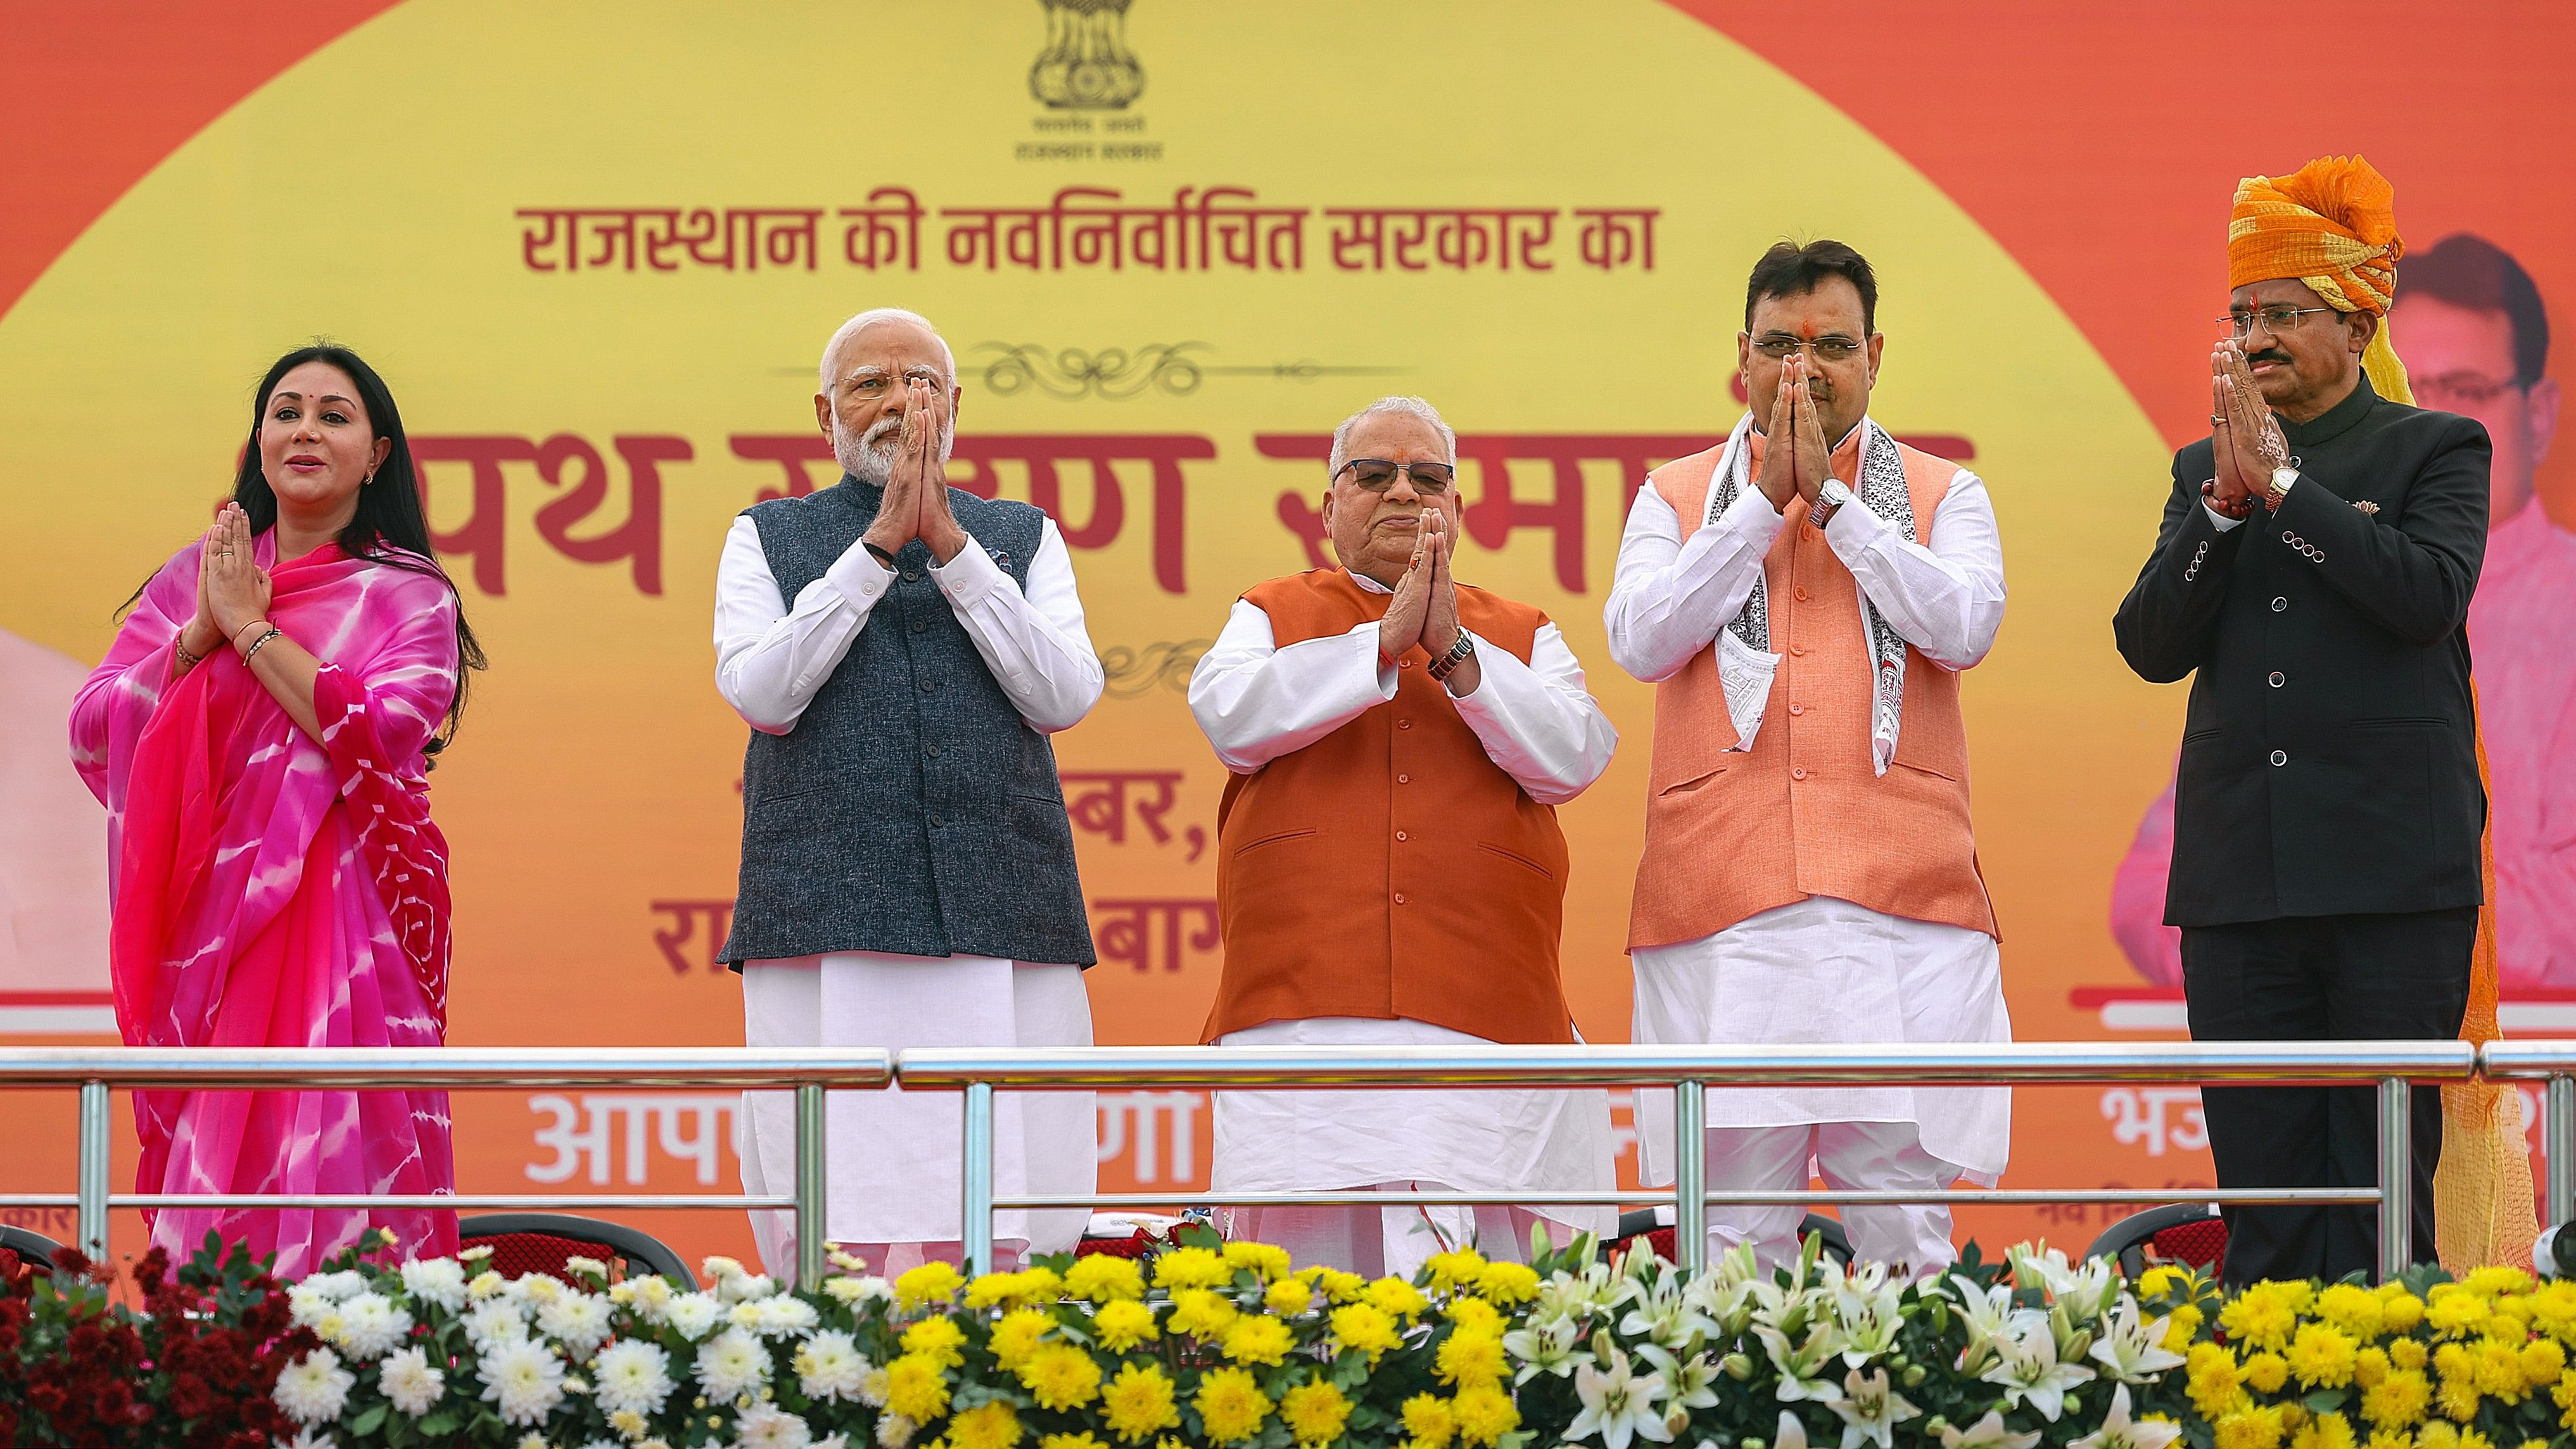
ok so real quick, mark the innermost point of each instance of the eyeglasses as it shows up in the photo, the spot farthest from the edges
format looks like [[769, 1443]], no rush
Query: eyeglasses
[[1379, 474], [1830, 348], [2274, 319], [2474, 389]]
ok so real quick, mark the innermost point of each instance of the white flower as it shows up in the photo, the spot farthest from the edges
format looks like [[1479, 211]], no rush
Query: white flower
[[631, 1374], [436, 1280], [1688, 1383], [846, 1262], [1618, 1404], [858, 1290], [371, 1325], [1664, 1313], [1549, 1349], [338, 1287], [307, 1304], [629, 1423], [1987, 1433], [1872, 1411], [591, 1266], [307, 1439], [876, 1387], [486, 1284], [524, 1379], [475, 1254], [895, 1431], [1792, 1435], [830, 1366], [2029, 1370], [1802, 1367], [535, 1288], [719, 1268], [2132, 1346], [580, 1320], [731, 1364], [833, 1441], [651, 1296], [763, 1426], [1867, 1316], [531, 1440], [691, 1314], [314, 1388], [2118, 1431], [493, 1324], [785, 1316], [1992, 1320], [409, 1381], [741, 1288]]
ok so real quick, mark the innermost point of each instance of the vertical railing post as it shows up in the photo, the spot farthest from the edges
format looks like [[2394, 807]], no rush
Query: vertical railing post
[[811, 1231], [2396, 1177], [93, 1170], [2559, 1135], [1690, 1176], [978, 1177]]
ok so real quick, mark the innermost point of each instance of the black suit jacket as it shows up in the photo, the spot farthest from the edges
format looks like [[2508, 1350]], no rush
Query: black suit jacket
[[2329, 759]]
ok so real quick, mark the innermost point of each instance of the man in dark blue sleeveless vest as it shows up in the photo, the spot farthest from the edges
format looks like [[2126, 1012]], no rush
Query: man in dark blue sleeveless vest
[[902, 650]]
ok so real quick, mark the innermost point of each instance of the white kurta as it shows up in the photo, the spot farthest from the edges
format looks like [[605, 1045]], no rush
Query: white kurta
[[1820, 970], [892, 1157], [1538, 724]]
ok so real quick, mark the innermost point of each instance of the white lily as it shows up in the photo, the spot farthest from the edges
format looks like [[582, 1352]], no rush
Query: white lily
[[1618, 1404], [1868, 1316], [1688, 1383], [1549, 1349], [1792, 1435], [1664, 1313], [2119, 1431], [1580, 1296], [1990, 1318], [1987, 1433], [2132, 1348], [1802, 1367], [2037, 1265], [2029, 1370], [1871, 1411]]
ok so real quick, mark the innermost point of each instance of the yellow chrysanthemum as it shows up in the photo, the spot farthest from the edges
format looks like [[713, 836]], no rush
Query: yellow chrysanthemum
[[2553, 1308], [2325, 1431], [1040, 1285], [2352, 1310], [2161, 1279], [2260, 1317], [1073, 1441], [2250, 1429], [2213, 1378], [2455, 1315], [1467, 1357], [1123, 1323], [1231, 1405], [2542, 1362], [2564, 1396], [1485, 1414], [2266, 1372], [2322, 1356], [2407, 1353], [916, 1389], [1396, 1298], [1338, 1286], [1475, 1315], [1191, 1268], [2370, 1367], [2389, 1439], [931, 1282], [1360, 1326], [2437, 1435], [1060, 1376], [2458, 1399], [939, 1340], [1454, 1270], [989, 1289], [2499, 1371], [1014, 1338], [2399, 1402], [986, 1426], [2472, 1439], [2400, 1311], [629, 1424], [2181, 1327], [2496, 1282], [1202, 1313], [1507, 1284], [1427, 1417], [1289, 1297], [1315, 1413], [1138, 1404], [1104, 1279], [1256, 1338], [1269, 1261]]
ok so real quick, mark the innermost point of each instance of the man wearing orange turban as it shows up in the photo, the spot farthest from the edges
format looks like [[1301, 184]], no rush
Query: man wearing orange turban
[[2313, 571]]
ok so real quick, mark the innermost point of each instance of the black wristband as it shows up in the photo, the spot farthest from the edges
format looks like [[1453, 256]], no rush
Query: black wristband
[[880, 555]]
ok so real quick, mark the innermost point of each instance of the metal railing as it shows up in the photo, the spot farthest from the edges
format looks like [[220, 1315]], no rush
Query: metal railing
[[2389, 1066]]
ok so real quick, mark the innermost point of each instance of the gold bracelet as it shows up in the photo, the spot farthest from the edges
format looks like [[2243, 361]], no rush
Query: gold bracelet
[[235, 641], [261, 642]]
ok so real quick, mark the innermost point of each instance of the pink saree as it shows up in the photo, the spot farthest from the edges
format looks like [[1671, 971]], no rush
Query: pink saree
[[271, 891]]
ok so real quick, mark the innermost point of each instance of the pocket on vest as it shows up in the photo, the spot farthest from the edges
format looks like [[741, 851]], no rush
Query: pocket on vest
[[1039, 832], [1519, 859], [1684, 787], [1285, 835]]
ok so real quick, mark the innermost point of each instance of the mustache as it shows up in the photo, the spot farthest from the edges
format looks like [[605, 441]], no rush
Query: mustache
[[2268, 354]]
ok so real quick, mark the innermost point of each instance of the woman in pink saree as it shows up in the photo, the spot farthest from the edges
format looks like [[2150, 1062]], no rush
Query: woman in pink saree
[[260, 733]]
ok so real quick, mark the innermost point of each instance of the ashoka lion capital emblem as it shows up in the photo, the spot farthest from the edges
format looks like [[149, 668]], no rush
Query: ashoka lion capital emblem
[[1086, 65]]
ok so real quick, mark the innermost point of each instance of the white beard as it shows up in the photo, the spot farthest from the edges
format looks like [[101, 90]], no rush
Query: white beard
[[869, 457]]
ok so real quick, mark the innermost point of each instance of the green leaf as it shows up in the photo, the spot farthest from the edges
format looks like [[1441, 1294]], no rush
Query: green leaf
[[2325, 1401], [368, 1422], [438, 1425]]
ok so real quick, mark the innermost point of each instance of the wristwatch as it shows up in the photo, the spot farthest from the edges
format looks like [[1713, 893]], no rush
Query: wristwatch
[[2282, 478], [1458, 653], [1829, 501]]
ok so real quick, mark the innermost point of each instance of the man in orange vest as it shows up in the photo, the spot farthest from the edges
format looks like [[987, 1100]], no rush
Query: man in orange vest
[[1804, 599], [1390, 872]]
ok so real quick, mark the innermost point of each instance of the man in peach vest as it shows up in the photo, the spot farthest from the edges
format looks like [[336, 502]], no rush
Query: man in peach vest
[[1804, 598], [1390, 872]]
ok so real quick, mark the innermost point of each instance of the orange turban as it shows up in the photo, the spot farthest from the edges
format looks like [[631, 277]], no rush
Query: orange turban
[[2333, 225]]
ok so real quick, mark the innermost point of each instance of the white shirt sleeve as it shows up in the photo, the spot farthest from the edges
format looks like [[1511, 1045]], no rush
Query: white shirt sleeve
[[771, 659], [1947, 599], [1256, 701], [1669, 598], [1537, 721], [2223, 522], [1034, 643]]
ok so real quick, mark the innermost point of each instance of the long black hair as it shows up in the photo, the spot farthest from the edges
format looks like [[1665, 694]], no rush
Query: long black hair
[[390, 527]]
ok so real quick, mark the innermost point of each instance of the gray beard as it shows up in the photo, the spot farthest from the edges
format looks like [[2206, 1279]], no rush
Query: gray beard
[[870, 458]]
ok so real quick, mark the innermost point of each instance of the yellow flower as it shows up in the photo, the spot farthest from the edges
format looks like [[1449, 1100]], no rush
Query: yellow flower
[[1475, 1315], [1060, 1376], [2181, 1327], [1454, 1270], [2542, 1362], [1289, 1297], [2455, 1315], [925, 1283], [1191, 1268], [1138, 1403], [2160, 1279], [2261, 1316], [2564, 1396], [2437, 1435], [1014, 1338], [1485, 1414], [2553, 1308], [1338, 1286], [1103, 1279], [2400, 1311], [1360, 1326], [1074, 1441], [2499, 1371], [629, 1424], [1201, 1313], [939, 1340], [2353, 1310], [2250, 1429], [1123, 1323], [986, 1426], [1428, 1419], [1467, 1357], [2322, 1356], [915, 1388], [2397, 1401], [2458, 1398], [2267, 1372], [1396, 1298], [1315, 1413], [1270, 1262], [2406, 1353], [1039, 1286], [2213, 1377], [2369, 1367], [2389, 1439], [1505, 1284], [1258, 1339], [2497, 1282], [992, 1288], [2325, 1431], [1231, 1405]]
